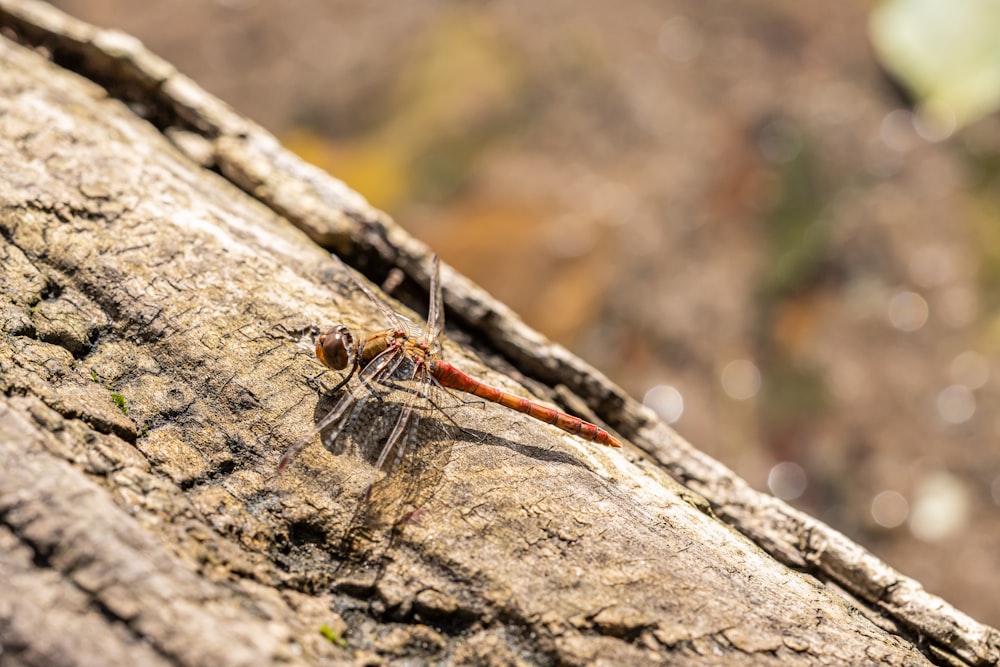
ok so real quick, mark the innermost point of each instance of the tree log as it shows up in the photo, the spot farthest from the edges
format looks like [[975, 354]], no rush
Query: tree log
[[159, 302]]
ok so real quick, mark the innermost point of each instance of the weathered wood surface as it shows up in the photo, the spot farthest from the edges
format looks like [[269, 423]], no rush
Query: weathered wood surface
[[160, 534]]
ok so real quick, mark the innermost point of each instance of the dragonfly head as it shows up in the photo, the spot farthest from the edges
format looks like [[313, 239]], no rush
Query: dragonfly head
[[335, 348]]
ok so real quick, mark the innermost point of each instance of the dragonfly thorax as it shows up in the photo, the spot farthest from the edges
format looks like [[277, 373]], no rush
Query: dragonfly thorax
[[379, 342]]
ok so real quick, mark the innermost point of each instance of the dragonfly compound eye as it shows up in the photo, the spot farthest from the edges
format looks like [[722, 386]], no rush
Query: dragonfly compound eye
[[335, 348]]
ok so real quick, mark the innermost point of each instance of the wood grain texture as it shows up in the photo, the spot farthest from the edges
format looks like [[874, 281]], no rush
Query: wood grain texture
[[155, 363]]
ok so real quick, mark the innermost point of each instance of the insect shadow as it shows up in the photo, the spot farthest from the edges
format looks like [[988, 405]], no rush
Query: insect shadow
[[386, 500]]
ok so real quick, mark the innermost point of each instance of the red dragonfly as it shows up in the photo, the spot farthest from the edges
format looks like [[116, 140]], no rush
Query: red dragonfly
[[404, 361]]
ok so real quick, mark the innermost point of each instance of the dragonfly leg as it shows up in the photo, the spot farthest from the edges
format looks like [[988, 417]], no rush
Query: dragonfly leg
[[347, 378]]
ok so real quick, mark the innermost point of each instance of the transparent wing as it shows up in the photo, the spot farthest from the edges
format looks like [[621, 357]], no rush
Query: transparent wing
[[402, 432], [363, 399], [435, 311], [351, 404], [414, 454], [408, 413], [396, 418], [381, 414], [397, 320]]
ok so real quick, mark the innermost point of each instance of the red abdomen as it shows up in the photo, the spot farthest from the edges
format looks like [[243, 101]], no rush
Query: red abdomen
[[451, 377]]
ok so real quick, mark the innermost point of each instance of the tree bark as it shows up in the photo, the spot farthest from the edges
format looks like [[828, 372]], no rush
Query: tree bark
[[159, 303]]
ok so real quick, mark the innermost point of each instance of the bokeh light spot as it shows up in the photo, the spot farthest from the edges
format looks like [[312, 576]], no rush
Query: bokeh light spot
[[956, 404], [741, 379], [935, 121], [680, 39], [897, 131], [908, 311], [970, 369], [889, 509], [787, 480], [940, 508], [666, 401]]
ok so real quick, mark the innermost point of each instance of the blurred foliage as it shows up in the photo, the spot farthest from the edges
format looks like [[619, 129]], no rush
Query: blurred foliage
[[794, 393], [795, 231], [985, 220], [792, 274], [457, 91], [982, 158], [946, 53]]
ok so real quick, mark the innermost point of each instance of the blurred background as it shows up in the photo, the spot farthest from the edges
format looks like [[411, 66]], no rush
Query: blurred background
[[776, 222]]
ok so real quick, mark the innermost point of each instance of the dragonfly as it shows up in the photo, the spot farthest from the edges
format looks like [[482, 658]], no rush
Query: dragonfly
[[404, 361]]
